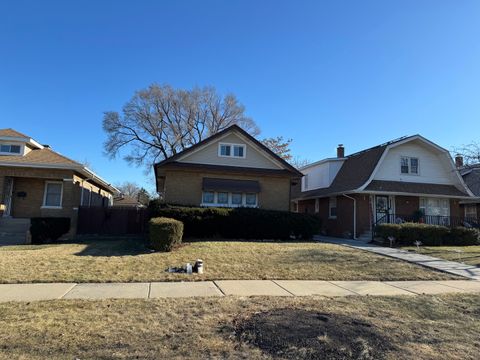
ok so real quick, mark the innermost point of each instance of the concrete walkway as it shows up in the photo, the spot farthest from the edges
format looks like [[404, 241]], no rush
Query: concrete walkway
[[451, 267], [99, 291]]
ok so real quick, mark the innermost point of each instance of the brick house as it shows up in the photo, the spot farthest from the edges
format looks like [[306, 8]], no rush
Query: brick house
[[36, 181], [392, 182], [228, 169], [471, 175]]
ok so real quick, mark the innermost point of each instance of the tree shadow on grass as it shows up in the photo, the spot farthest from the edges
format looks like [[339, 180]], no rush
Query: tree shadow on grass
[[296, 333], [113, 247]]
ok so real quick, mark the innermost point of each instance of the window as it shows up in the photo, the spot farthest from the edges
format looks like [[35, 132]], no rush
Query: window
[[409, 165], [208, 197], [232, 150], [251, 199], [471, 211], [10, 149], [332, 208], [222, 198], [225, 150], [227, 199], [237, 198], [317, 205], [85, 197], [53, 194], [238, 151]]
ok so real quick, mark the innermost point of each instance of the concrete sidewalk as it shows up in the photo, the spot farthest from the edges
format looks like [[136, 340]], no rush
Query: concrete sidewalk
[[99, 291], [450, 267]]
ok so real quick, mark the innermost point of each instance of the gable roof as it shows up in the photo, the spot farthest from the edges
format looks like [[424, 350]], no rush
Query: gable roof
[[471, 176], [12, 133], [176, 157], [45, 157], [358, 169]]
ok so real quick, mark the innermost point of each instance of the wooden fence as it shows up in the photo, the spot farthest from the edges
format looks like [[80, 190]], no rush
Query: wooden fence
[[111, 220]]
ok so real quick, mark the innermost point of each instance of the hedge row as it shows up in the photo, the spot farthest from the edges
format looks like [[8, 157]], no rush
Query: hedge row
[[165, 233], [241, 223], [430, 235]]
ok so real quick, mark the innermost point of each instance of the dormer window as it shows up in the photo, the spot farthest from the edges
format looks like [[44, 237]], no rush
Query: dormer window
[[231, 150], [409, 165], [10, 149]]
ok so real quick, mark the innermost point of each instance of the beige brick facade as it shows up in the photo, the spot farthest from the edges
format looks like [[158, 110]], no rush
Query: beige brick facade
[[185, 187], [29, 191]]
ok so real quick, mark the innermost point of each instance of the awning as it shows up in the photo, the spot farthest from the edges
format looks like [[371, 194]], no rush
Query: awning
[[243, 186]]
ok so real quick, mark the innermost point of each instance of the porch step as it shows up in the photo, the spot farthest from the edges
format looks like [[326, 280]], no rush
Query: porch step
[[13, 231], [366, 236]]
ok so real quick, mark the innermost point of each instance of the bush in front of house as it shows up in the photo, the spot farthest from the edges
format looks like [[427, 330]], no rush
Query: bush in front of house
[[429, 235], [462, 236], [48, 229], [165, 233], [241, 223]]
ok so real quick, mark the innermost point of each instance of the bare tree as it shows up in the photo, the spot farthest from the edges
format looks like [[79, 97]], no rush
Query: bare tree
[[128, 188], [299, 162], [279, 146], [160, 121], [469, 152]]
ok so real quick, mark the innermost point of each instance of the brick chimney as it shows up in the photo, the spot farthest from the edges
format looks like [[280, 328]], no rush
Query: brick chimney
[[458, 161], [340, 151]]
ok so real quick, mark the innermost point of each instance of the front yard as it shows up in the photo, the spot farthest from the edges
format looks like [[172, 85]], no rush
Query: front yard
[[129, 260], [466, 254], [422, 327]]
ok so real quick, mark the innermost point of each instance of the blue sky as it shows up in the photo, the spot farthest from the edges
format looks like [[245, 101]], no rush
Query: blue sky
[[319, 72]]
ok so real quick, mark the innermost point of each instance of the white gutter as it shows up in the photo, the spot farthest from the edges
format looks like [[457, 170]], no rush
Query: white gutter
[[354, 215]]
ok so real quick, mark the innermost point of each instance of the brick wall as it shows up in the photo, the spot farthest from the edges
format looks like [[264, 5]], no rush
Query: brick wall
[[406, 205], [31, 182], [343, 223], [185, 187]]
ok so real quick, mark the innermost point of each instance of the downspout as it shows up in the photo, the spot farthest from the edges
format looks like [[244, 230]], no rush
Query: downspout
[[354, 215]]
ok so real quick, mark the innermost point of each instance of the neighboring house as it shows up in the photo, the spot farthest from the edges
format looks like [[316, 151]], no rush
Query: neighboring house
[[393, 182], [127, 201], [471, 175], [36, 181], [228, 169]]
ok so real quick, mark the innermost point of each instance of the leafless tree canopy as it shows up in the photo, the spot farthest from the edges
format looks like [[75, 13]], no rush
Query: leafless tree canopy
[[160, 121], [279, 146], [470, 153], [128, 188]]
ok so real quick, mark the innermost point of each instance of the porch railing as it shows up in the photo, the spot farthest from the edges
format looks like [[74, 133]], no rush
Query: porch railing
[[448, 221]]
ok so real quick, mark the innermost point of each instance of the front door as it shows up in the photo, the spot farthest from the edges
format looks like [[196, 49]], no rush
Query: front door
[[8, 196], [383, 208]]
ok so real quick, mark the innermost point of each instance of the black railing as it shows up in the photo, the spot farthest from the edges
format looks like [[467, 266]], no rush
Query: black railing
[[448, 221]]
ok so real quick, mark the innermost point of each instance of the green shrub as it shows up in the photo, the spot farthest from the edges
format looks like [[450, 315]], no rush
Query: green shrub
[[165, 233], [462, 236], [241, 223], [429, 235], [47, 229]]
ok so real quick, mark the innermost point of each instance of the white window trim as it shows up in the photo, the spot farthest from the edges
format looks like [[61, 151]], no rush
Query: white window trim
[[44, 206], [317, 205], [330, 207], [229, 204], [244, 146], [22, 149], [409, 166], [474, 206]]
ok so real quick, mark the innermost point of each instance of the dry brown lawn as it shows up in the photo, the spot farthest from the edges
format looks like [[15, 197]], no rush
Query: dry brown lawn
[[131, 261], [466, 254], [423, 327]]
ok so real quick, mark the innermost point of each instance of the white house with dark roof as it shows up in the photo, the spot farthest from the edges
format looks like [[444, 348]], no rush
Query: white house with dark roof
[[392, 182]]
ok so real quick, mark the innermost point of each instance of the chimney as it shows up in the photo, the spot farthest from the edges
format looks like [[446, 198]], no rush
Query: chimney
[[458, 161], [340, 151]]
